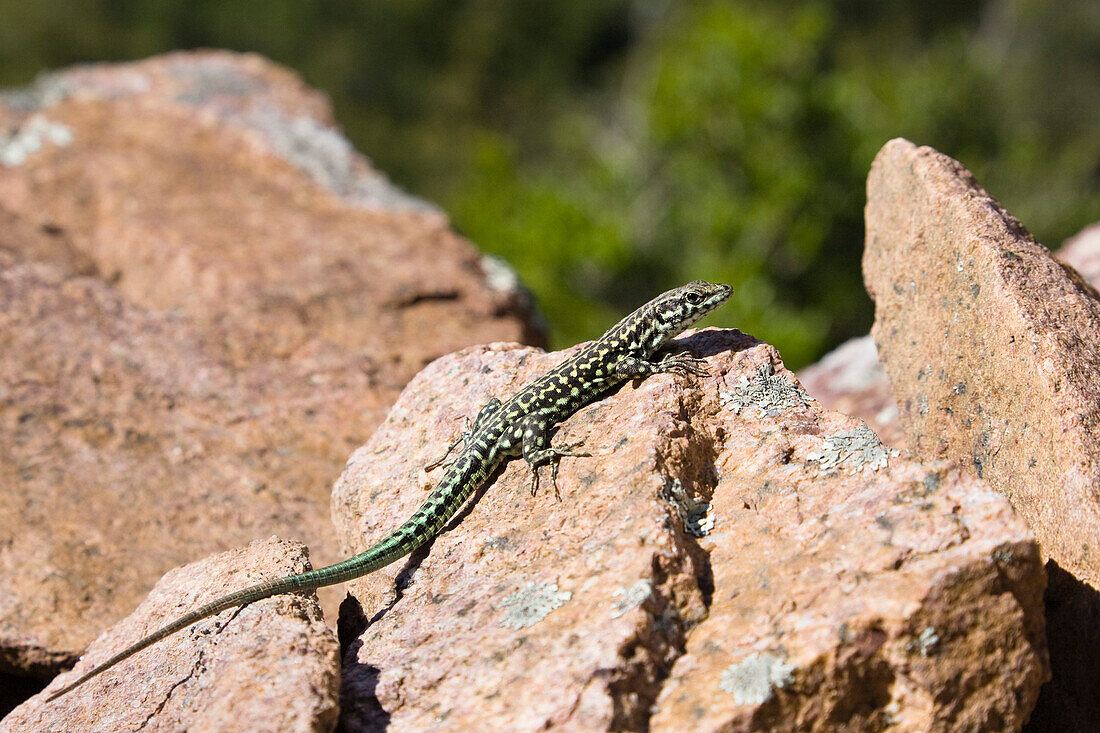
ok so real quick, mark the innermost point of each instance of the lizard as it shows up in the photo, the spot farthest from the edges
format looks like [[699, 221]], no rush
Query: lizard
[[520, 426]]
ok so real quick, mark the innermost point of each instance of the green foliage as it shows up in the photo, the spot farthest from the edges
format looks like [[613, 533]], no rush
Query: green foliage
[[713, 165], [609, 150], [737, 145]]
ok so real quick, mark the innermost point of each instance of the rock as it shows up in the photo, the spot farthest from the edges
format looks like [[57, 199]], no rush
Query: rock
[[1082, 252], [992, 346], [732, 557], [272, 665], [850, 379], [215, 184], [21, 241], [126, 446], [1069, 703], [207, 299]]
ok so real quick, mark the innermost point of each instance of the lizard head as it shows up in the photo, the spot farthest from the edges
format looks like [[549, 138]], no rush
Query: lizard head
[[680, 308], [646, 329]]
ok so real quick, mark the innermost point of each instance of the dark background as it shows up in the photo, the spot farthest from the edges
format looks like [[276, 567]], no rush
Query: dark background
[[611, 149]]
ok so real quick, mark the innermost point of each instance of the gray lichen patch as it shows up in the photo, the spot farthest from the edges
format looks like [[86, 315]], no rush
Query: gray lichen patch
[[769, 393], [697, 515], [48, 89], [859, 450], [325, 155], [926, 644], [531, 604], [632, 597], [499, 275], [753, 680], [205, 78], [30, 138]]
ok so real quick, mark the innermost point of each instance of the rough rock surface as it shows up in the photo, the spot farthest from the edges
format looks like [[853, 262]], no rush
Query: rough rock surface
[[125, 447], [991, 344], [270, 666], [733, 557], [207, 299], [1069, 703], [21, 240], [850, 379], [215, 184], [1082, 252]]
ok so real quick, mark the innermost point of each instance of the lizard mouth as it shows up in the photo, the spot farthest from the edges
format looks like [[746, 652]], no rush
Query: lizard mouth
[[721, 296]]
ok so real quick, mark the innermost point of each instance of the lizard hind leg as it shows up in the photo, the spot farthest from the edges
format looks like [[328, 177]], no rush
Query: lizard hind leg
[[484, 415], [462, 438], [537, 452]]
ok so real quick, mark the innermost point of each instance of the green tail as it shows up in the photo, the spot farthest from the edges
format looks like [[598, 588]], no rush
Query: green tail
[[466, 473]]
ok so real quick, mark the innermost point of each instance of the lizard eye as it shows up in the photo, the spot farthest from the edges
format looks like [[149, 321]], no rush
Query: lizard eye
[[694, 298]]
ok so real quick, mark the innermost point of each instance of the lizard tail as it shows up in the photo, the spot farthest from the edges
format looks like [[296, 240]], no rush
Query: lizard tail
[[394, 546], [248, 595], [467, 472]]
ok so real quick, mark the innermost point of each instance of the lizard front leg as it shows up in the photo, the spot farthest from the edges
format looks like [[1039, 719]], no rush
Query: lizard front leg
[[631, 367]]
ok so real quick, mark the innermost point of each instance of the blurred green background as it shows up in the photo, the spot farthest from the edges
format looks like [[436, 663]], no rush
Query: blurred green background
[[610, 149]]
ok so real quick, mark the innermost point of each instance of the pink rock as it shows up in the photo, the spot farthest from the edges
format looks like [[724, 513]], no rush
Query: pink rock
[[20, 240], [992, 346], [254, 296], [850, 379], [732, 556], [270, 666], [216, 184], [1082, 252]]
